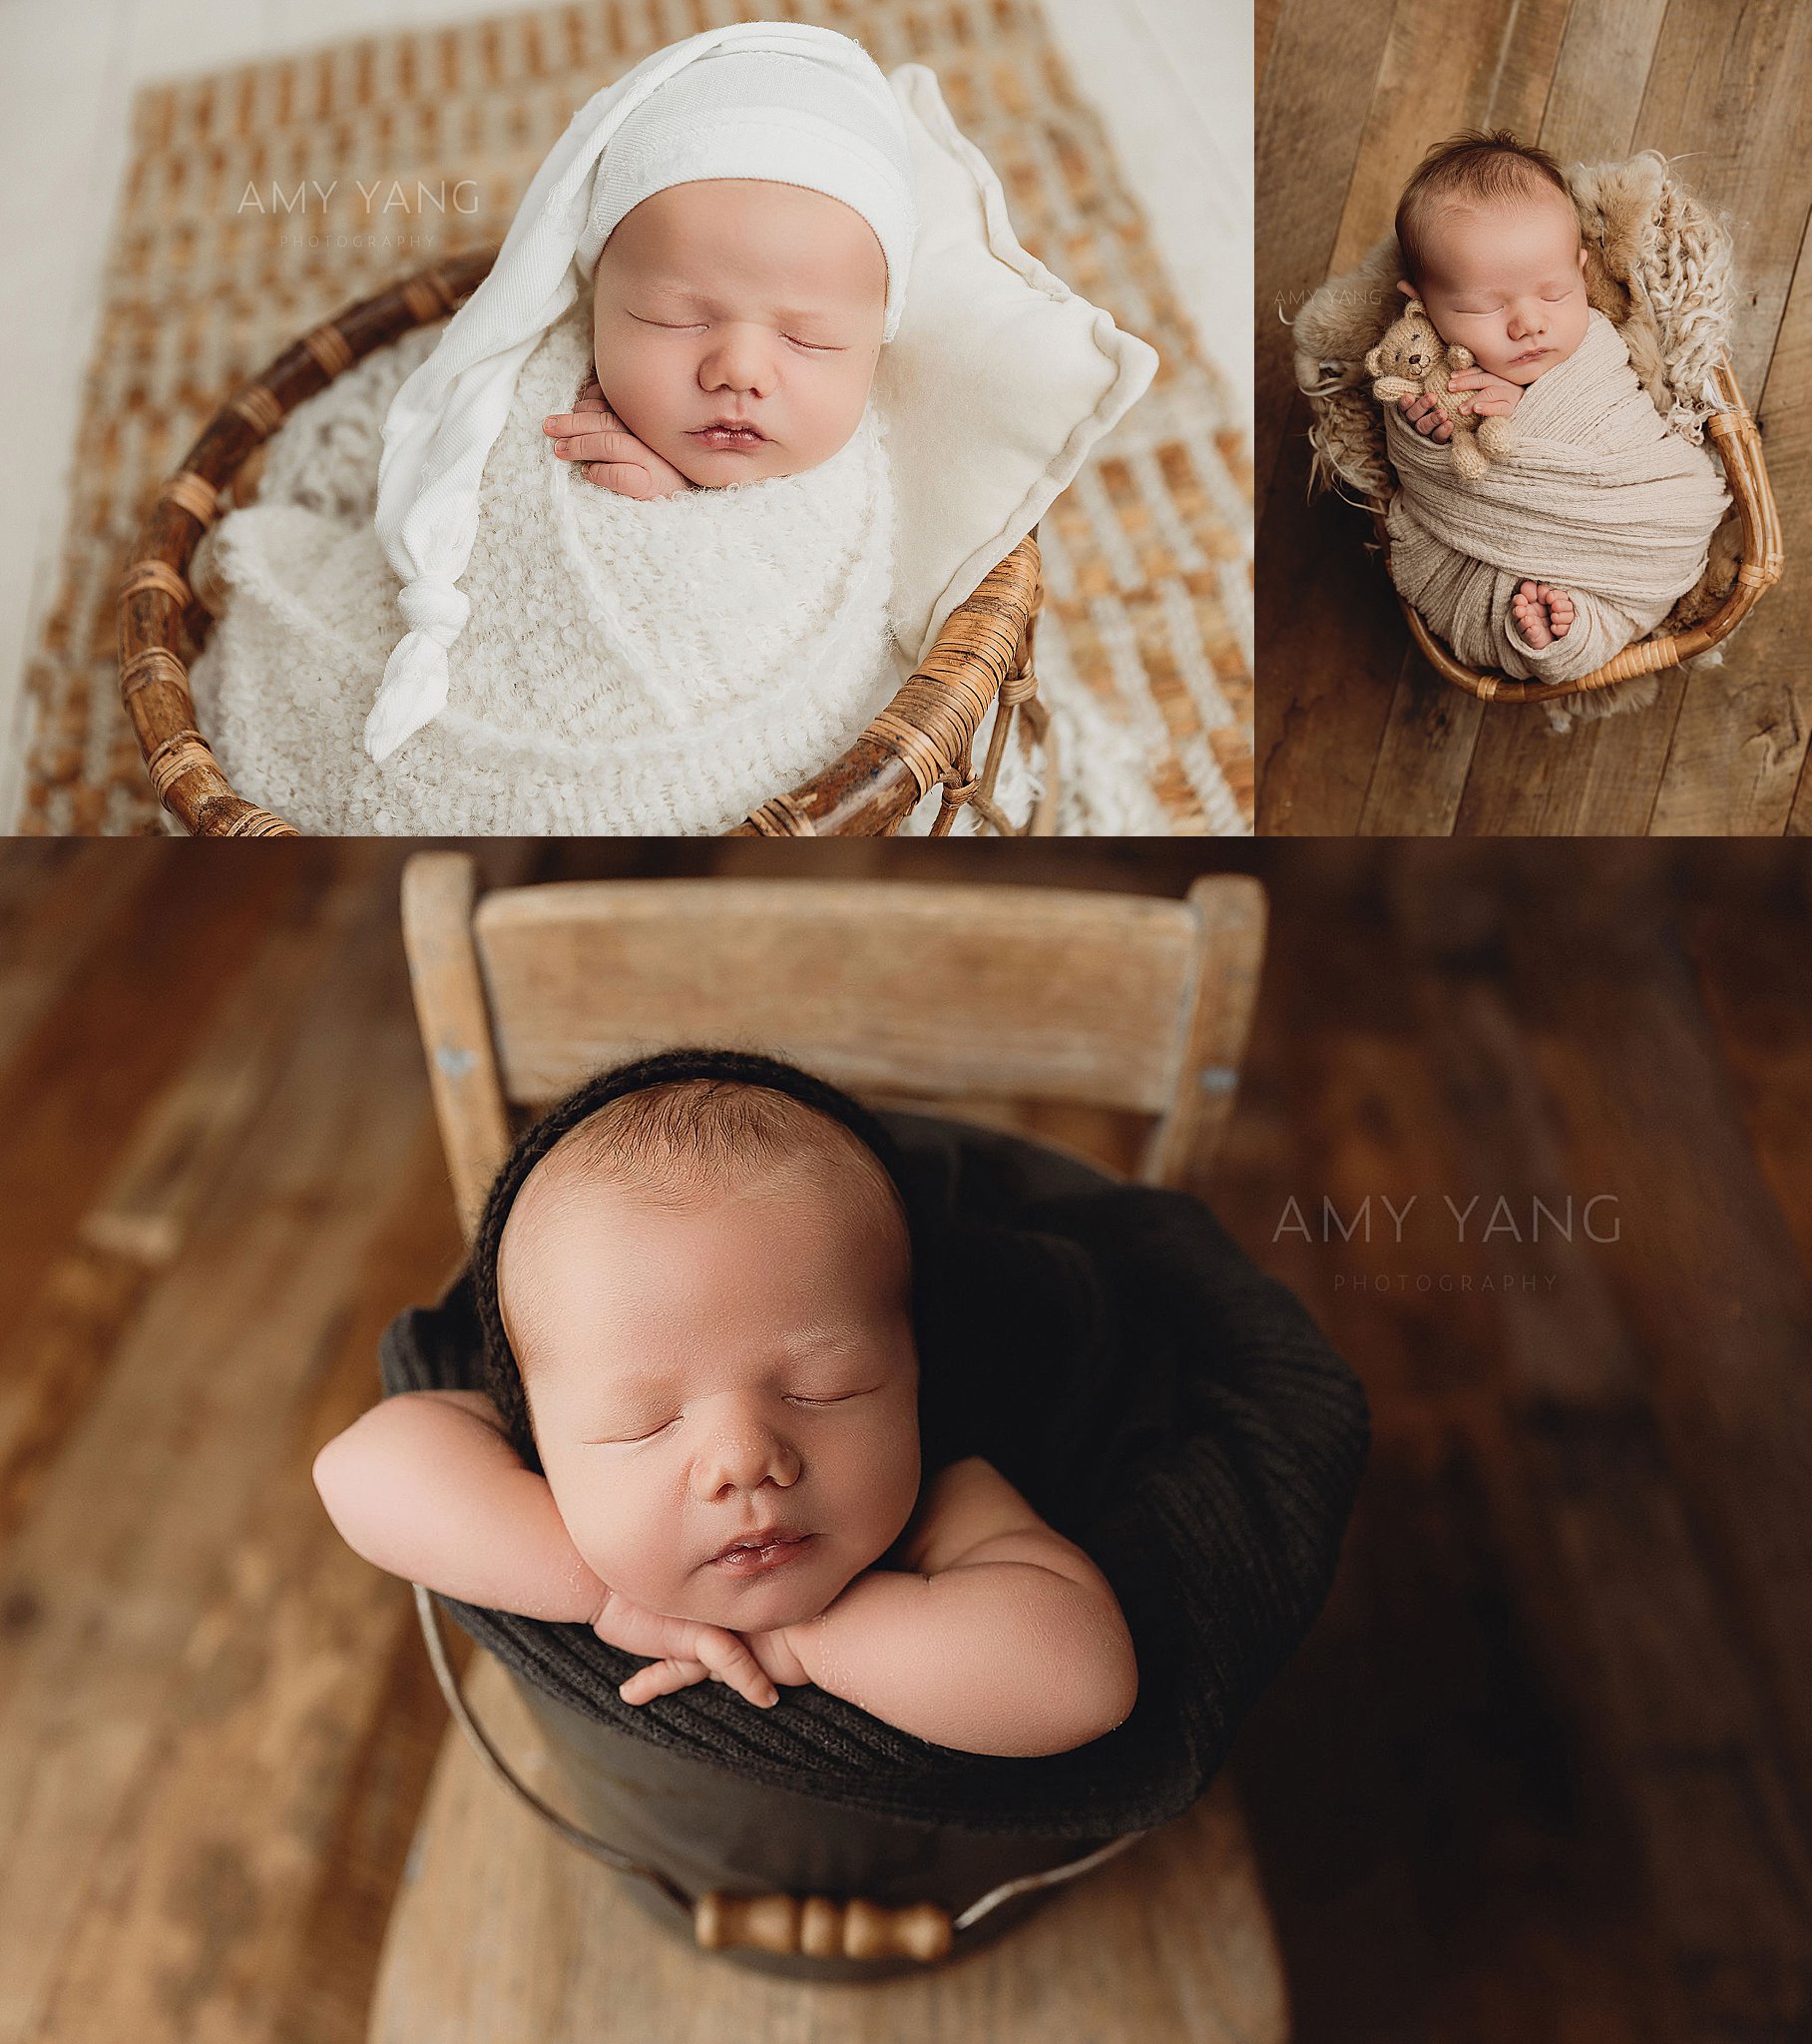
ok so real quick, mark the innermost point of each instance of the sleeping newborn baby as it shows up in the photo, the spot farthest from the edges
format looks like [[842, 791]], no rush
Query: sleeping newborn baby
[[1597, 520], [688, 311], [736, 324], [699, 1305]]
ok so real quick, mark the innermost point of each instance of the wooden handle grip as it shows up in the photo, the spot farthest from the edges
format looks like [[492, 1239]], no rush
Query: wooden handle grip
[[821, 1928]]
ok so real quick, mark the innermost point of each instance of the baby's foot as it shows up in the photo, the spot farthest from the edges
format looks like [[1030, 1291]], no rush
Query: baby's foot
[[1543, 614]]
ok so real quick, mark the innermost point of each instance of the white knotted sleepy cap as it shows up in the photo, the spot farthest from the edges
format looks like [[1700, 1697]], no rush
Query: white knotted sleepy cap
[[780, 101]]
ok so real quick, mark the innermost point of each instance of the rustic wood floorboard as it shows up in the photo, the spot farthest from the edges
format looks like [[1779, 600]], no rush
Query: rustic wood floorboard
[[1543, 1769], [1355, 732]]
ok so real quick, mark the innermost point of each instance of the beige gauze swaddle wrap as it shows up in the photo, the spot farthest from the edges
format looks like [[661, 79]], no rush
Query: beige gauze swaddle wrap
[[1597, 497]]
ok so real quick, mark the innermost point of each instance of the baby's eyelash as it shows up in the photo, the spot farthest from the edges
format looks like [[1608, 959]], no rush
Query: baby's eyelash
[[630, 1441], [816, 347]]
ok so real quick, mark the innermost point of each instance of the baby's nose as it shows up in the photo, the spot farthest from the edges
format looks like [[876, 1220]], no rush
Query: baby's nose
[[743, 1454], [737, 360]]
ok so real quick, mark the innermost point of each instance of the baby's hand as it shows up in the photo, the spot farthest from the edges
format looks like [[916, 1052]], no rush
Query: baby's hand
[[1425, 416], [1493, 397], [777, 1657], [684, 1651], [609, 453]]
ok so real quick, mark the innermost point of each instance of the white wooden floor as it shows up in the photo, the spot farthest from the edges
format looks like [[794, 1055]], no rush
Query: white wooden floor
[[1171, 78]]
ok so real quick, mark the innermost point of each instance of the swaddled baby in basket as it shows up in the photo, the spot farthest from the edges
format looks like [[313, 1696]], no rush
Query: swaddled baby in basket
[[1595, 518], [699, 1307], [688, 312]]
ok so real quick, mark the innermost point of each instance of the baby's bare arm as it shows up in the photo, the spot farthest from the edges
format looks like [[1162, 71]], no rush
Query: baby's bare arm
[[1003, 1639], [428, 1486]]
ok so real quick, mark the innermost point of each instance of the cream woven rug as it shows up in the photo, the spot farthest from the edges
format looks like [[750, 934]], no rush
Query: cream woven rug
[[260, 200]]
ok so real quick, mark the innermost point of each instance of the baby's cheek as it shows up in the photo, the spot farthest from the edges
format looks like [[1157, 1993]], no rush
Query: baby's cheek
[[879, 1483], [619, 1543]]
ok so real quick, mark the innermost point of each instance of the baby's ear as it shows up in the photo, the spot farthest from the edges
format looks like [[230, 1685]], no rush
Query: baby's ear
[[1409, 292]]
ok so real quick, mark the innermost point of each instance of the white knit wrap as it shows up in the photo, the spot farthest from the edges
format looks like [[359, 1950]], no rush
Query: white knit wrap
[[781, 100], [633, 669]]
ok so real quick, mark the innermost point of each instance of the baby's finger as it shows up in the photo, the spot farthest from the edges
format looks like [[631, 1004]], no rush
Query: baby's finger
[[599, 447], [562, 425], [661, 1678], [728, 1656], [627, 479]]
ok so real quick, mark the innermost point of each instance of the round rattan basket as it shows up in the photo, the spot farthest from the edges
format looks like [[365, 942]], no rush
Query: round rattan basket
[[1740, 446], [923, 739]]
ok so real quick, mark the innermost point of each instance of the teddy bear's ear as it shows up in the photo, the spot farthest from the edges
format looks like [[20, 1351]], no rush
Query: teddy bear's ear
[[1374, 362], [1416, 306]]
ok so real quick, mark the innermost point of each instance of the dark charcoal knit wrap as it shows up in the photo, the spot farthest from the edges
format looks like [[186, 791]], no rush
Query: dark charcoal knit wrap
[[1153, 1394]]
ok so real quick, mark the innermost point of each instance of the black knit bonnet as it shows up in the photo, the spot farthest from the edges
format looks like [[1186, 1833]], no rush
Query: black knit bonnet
[[501, 1377]]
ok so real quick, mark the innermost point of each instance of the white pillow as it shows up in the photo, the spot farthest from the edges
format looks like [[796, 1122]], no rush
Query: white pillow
[[997, 384]]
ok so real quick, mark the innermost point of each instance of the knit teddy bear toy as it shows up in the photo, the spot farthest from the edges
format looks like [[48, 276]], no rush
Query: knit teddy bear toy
[[1411, 361]]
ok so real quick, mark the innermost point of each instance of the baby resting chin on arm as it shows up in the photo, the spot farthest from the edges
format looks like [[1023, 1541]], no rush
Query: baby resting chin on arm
[[737, 325], [993, 1635], [720, 1374]]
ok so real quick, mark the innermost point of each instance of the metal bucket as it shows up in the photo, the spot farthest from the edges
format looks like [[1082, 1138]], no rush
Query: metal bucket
[[782, 1882]]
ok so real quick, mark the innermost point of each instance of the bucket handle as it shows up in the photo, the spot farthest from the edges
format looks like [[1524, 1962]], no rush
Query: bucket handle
[[815, 1925]]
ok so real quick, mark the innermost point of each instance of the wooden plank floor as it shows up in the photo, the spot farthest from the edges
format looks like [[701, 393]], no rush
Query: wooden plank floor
[[1544, 1770], [1356, 734]]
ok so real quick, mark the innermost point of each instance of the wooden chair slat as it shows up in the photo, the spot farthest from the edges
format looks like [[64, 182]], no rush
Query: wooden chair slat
[[882, 987], [957, 997]]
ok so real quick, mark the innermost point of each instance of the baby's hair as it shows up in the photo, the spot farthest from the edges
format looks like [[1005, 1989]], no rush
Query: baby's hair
[[1477, 165], [672, 1129]]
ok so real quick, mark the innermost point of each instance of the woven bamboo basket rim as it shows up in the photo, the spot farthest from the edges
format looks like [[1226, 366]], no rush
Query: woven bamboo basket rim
[[921, 739], [1740, 446]]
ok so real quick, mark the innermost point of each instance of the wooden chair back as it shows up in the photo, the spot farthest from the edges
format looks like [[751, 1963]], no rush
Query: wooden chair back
[[963, 999]]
